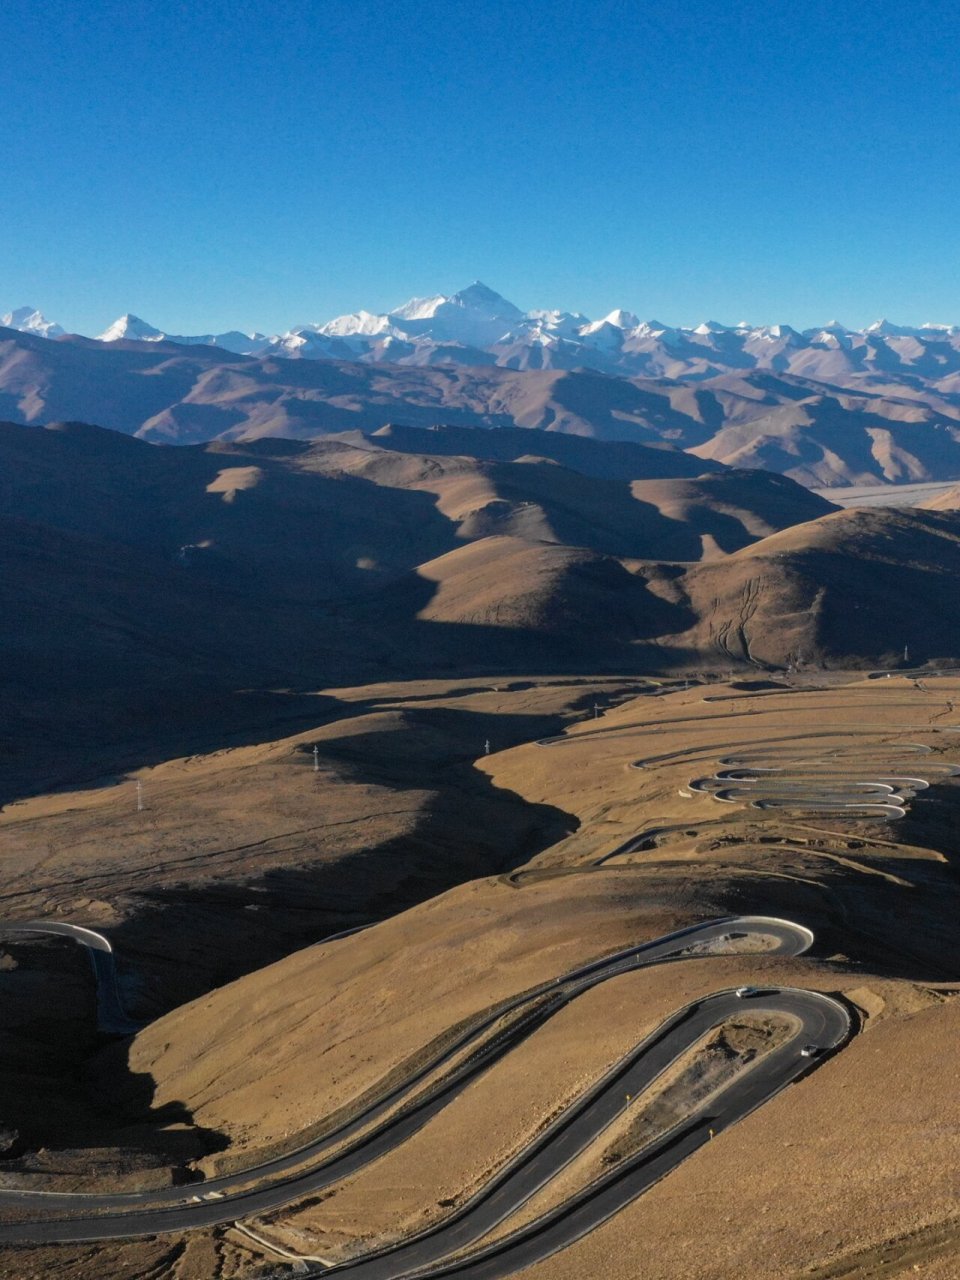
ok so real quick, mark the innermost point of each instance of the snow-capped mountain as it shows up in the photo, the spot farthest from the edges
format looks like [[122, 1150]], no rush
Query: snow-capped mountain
[[476, 316], [478, 326], [131, 328], [29, 320]]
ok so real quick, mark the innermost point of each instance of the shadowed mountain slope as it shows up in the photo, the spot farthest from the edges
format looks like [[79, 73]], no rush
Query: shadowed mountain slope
[[150, 590], [871, 422], [609, 459], [839, 440], [855, 585], [322, 517]]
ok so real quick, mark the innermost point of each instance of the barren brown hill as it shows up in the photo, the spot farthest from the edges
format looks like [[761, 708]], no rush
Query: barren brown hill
[[184, 394], [732, 509], [529, 497], [875, 582], [536, 498], [607, 460], [318, 518], [237, 857], [839, 439], [572, 599], [153, 590], [322, 517]]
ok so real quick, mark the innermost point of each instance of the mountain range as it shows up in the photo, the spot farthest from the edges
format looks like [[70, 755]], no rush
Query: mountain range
[[880, 427], [827, 407], [477, 326]]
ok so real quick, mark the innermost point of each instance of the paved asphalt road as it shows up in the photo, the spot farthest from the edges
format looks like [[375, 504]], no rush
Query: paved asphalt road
[[112, 1018], [820, 1021], [391, 1118]]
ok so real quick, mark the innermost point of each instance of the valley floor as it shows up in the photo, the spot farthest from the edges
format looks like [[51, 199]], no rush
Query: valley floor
[[885, 495]]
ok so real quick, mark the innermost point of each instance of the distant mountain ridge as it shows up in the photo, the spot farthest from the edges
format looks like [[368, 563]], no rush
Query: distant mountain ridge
[[478, 326], [826, 407], [880, 427]]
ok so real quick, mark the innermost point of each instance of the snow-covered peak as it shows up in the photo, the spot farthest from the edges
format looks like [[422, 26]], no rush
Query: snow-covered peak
[[563, 324], [303, 340], [833, 329], [885, 329], [474, 316], [652, 329], [477, 325], [240, 343], [477, 297], [361, 322], [833, 336], [417, 308], [774, 333], [601, 334], [132, 329], [947, 330], [621, 319], [480, 297], [29, 320], [617, 321]]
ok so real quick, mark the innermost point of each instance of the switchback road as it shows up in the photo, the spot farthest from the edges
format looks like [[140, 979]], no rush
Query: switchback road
[[821, 1025]]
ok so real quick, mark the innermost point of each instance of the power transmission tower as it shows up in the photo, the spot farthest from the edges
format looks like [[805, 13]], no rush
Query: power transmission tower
[[139, 796]]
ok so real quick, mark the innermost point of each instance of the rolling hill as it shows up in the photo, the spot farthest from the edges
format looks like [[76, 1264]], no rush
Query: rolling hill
[[871, 581], [153, 591], [162, 596]]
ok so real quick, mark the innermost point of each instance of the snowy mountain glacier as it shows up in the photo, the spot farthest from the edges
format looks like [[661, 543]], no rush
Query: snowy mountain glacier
[[477, 326]]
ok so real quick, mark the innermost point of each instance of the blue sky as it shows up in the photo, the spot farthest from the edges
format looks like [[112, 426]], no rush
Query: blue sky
[[211, 165]]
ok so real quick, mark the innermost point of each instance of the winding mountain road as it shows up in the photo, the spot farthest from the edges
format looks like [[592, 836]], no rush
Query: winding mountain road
[[399, 1111]]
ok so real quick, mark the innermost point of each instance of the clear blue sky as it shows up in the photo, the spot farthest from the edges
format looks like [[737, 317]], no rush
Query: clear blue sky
[[218, 164]]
